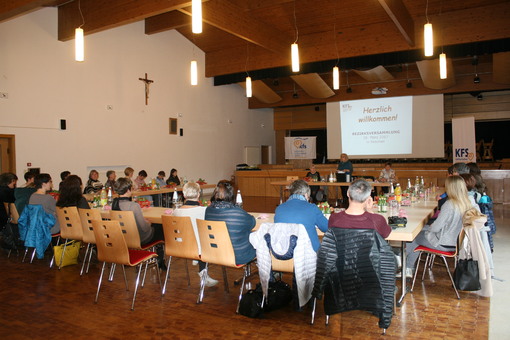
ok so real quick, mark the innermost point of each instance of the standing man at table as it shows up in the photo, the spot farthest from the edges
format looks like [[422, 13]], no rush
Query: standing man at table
[[298, 210], [345, 165]]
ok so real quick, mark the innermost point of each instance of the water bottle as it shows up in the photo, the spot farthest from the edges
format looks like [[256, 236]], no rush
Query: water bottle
[[174, 198], [110, 196], [239, 199]]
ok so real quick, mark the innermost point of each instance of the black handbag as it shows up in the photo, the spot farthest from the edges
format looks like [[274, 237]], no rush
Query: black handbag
[[279, 294], [466, 275], [251, 303]]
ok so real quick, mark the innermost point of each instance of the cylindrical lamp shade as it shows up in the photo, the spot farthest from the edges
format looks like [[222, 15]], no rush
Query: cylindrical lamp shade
[[336, 78], [442, 66], [79, 45], [428, 40], [196, 16], [248, 87], [295, 57], [194, 73]]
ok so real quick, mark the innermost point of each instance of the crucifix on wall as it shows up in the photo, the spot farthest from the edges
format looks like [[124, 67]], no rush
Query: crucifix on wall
[[147, 82]]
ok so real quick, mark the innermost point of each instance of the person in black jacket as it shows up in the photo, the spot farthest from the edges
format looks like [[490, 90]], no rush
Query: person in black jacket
[[7, 184]]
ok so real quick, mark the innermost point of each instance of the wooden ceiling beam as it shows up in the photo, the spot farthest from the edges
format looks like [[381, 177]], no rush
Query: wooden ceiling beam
[[100, 15], [12, 8], [400, 16], [166, 21], [232, 19]]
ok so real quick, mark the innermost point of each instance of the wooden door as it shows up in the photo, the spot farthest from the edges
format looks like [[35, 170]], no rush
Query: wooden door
[[7, 154]]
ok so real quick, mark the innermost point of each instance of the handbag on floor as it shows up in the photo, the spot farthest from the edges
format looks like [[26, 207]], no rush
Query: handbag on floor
[[71, 254], [466, 276], [251, 302]]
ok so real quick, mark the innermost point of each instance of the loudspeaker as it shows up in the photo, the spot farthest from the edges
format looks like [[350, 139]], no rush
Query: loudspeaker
[[181, 132], [62, 124]]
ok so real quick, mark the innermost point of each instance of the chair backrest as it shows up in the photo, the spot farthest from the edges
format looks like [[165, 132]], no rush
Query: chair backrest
[[110, 243], [86, 217], [180, 240], [129, 229], [14, 213], [282, 265], [215, 243], [70, 223]]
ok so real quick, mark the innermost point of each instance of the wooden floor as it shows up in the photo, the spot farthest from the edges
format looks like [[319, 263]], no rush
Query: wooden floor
[[43, 303]]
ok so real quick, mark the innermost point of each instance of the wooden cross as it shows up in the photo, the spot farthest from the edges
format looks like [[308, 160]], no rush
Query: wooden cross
[[147, 82]]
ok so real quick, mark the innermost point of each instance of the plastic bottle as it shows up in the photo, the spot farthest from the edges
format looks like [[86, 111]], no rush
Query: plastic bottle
[[174, 198], [398, 193], [110, 196], [239, 199], [104, 197]]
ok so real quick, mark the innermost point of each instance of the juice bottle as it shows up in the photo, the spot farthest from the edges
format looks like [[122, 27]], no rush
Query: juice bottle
[[398, 193]]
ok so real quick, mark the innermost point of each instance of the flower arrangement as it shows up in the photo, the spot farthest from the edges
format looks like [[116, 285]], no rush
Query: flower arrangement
[[201, 181], [324, 207]]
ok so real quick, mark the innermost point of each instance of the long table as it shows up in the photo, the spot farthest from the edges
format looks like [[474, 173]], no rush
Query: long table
[[417, 216], [285, 184]]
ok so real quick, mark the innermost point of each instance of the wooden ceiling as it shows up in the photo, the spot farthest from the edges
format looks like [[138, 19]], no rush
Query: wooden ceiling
[[255, 36]]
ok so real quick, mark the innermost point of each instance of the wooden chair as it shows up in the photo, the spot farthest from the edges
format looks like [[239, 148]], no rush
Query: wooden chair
[[431, 254], [70, 227], [112, 248], [217, 248], [180, 241], [86, 217], [130, 230], [488, 151]]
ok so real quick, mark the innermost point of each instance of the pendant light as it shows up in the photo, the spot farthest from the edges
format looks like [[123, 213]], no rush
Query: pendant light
[[294, 50], [442, 66], [194, 72], [249, 92], [79, 40], [428, 35], [336, 78], [196, 16], [248, 87]]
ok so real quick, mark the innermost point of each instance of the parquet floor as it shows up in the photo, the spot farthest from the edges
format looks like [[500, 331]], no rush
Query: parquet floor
[[42, 303]]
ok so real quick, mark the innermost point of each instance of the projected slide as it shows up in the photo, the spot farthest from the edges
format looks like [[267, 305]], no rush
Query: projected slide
[[377, 127]]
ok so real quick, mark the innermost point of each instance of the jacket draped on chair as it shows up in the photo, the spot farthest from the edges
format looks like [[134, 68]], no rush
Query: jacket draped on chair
[[472, 247], [304, 256], [356, 271], [34, 228]]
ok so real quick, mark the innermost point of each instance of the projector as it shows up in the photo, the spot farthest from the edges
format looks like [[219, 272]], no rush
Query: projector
[[379, 90]]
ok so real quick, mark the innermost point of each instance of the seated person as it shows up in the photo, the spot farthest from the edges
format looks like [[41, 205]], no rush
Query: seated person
[[43, 184], [173, 178], [128, 172], [70, 193], [148, 233], [93, 185], [443, 232], [358, 215], [298, 210], [160, 179], [192, 208], [316, 177], [345, 165], [22, 195], [239, 222], [63, 176], [140, 180], [111, 176], [387, 175], [7, 185]]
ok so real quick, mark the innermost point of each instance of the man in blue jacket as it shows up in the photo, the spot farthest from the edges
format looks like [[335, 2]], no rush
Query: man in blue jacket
[[298, 210]]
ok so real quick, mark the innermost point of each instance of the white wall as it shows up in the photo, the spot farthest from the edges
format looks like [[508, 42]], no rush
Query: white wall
[[45, 84]]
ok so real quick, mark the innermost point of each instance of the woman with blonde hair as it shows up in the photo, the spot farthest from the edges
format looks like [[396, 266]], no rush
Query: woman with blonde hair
[[443, 233]]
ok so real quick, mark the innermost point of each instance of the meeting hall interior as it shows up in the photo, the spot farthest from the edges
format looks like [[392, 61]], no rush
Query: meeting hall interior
[[106, 85]]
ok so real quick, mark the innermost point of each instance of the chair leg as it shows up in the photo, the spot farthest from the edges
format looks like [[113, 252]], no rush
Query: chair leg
[[202, 284], [225, 280], [327, 320], [112, 272], [99, 283], [125, 278], [25, 255], [90, 258], [62, 256], [167, 275], [136, 286], [145, 273], [416, 270], [53, 256], [313, 310], [426, 266], [242, 287], [85, 259], [33, 255], [451, 278]]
